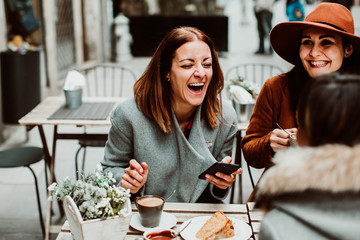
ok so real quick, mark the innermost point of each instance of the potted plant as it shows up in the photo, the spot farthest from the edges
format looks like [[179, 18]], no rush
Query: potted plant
[[95, 208], [243, 95]]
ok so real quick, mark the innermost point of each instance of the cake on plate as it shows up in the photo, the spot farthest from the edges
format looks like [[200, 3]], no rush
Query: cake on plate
[[216, 227]]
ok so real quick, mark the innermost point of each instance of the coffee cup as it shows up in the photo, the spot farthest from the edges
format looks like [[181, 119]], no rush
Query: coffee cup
[[292, 140], [150, 210]]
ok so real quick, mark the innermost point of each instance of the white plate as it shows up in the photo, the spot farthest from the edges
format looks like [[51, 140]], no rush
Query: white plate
[[167, 221], [242, 229]]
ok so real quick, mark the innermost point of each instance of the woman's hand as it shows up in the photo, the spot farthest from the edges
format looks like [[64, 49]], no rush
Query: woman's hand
[[222, 180], [279, 139], [135, 176]]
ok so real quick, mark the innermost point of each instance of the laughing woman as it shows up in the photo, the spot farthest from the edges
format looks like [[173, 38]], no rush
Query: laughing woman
[[176, 126]]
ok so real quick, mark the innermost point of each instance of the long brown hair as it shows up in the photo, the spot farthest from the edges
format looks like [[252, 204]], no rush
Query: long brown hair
[[153, 93]]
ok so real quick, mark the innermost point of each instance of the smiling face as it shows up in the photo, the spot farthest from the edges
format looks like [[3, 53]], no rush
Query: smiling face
[[322, 51], [190, 74]]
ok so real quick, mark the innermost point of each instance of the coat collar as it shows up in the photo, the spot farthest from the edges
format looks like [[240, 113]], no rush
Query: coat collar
[[328, 168]]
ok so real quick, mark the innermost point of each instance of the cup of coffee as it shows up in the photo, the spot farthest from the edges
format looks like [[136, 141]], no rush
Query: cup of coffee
[[150, 210], [292, 140]]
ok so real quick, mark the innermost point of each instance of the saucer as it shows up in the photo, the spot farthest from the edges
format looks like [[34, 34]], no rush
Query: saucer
[[167, 220]]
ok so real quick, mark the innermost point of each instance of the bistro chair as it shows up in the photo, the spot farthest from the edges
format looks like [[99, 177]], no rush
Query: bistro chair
[[256, 73], [103, 80], [24, 157]]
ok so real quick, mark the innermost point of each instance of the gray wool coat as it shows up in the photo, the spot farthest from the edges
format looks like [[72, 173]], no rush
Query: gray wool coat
[[174, 161], [312, 193]]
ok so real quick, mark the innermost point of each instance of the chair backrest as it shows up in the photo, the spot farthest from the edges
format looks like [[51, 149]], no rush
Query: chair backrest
[[108, 80], [256, 73]]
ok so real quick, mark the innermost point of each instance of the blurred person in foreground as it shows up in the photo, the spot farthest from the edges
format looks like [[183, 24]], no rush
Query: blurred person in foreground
[[313, 191], [176, 126], [323, 43]]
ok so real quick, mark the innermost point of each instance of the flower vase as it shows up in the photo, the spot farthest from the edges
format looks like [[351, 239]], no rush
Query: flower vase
[[243, 111], [112, 228]]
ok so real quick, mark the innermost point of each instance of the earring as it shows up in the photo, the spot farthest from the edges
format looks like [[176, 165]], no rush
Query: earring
[[168, 79], [347, 55]]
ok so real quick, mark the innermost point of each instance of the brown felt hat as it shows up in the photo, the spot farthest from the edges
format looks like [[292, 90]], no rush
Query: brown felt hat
[[285, 37]]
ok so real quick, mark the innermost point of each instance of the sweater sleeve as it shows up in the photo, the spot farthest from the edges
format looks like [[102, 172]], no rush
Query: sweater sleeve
[[256, 143], [273, 105], [118, 149]]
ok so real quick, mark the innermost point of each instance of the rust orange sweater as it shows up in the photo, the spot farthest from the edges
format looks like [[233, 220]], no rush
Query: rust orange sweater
[[272, 105]]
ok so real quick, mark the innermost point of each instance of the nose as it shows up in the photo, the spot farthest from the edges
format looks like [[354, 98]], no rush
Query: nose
[[315, 51], [199, 72]]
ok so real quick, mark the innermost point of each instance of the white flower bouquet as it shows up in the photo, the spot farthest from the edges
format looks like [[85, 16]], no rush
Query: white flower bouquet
[[243, 95], [94, 206], [250, 87], [95, 194]]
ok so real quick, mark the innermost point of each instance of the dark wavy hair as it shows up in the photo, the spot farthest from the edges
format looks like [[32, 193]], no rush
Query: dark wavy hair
[[328, 111], [152, 91]]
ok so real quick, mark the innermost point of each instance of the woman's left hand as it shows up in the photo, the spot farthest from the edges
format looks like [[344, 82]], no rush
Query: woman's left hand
[[222, 180]]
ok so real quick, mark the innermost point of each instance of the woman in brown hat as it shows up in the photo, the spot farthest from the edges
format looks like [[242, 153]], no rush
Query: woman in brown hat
[[323, 43]]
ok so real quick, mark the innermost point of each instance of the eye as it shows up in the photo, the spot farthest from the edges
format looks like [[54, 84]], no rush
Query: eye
[[306, 42], [186, 66], [207, 65], [326, 42]]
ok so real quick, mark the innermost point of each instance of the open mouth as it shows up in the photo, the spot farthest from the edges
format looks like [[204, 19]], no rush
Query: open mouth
[[196, 87], [318, 63]]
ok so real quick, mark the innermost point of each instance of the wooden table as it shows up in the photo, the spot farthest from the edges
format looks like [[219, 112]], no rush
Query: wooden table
[[255, 217], [38, 117], [183, 212]]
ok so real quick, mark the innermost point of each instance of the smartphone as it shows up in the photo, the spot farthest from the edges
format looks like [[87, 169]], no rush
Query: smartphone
[[227, 168]]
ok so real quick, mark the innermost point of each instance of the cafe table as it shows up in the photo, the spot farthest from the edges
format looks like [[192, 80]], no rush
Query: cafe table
[[182, 212], [51, 111], [255, 217]]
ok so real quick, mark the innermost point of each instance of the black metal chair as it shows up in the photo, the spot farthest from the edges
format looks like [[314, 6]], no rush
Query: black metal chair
[[104, 80], [256, 73], [24, 157]]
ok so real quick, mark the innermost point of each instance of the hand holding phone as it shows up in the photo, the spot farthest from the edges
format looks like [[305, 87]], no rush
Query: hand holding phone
[[226, 168]]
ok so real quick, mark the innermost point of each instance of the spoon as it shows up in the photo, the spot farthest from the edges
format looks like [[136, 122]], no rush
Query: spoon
[[183, 229], [173, 235], [170, 195], [289, 133]]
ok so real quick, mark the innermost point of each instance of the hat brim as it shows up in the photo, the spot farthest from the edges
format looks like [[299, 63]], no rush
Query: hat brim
[[285, 38]]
